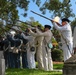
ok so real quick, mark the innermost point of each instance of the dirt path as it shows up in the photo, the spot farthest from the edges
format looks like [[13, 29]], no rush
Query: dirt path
[[58, 62]]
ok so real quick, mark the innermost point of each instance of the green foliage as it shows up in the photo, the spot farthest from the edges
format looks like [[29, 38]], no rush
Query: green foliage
[[73, 24], [34, 23], [38, 2], [23, 26], [56, 34], [9, 11], [57, 55], [57, 8], [53, 40], [54, 5]]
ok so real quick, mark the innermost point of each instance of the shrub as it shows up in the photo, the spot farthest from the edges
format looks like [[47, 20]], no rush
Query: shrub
[[57, 55]]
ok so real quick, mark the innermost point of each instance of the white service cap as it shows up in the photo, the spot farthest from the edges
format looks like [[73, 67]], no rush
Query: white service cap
[[56, 19]]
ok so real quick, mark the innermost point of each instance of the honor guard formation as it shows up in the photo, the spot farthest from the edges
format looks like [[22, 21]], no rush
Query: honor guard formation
[[23, 49]]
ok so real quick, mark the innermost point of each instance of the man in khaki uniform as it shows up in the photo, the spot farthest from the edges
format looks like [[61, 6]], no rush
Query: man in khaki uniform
[[47, 60], [38, 45], [39, 57]]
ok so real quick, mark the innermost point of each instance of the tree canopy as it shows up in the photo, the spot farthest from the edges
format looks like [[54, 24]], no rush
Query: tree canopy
[[9, 10], [60, 8]]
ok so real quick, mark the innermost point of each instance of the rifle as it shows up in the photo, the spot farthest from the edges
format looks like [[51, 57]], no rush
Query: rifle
[[29, 25], [24, 22], [20, 27], [45, 17], [41, 15], [14, 29]]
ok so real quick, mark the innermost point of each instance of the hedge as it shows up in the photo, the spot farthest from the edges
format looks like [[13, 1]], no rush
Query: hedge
[[57, 55]]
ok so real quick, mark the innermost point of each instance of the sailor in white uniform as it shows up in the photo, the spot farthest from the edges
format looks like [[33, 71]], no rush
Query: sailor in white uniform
[[66, 37]]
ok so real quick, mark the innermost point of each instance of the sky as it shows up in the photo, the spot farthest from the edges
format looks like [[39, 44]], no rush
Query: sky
[[34, 7]]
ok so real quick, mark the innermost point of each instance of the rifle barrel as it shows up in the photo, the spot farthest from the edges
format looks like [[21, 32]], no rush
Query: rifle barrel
[[40, 15], [29, 25], [24, 22], [44, 17]]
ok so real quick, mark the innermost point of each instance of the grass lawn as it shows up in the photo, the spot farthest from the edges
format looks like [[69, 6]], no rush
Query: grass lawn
[[35, 71], [58, 65]]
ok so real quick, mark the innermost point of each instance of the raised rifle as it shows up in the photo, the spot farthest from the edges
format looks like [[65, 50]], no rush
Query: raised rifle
[[29, 25], [41, 15], [44, 17]]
